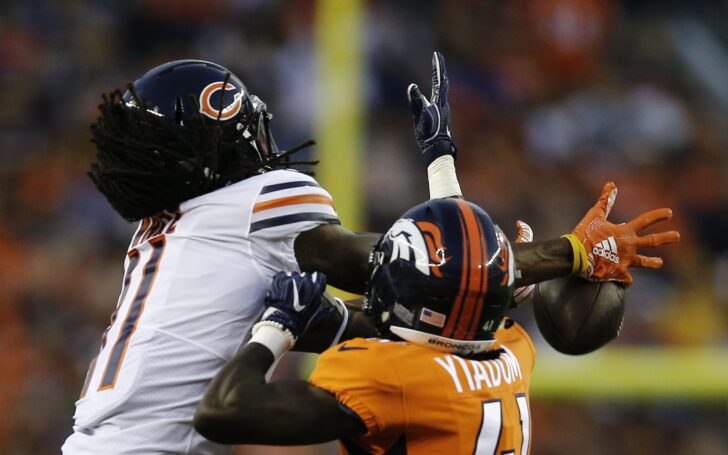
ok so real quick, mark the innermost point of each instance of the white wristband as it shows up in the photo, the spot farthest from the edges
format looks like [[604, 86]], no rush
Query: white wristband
[[275, 338], [442, 178]]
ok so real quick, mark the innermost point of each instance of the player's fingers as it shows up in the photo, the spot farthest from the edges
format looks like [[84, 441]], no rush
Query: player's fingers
[[606, 199], [649, 218], [438, 71], [661, 238], [646, 262], [417, 100], [627, 278], [294, 293], [439, 90], [525, 233]]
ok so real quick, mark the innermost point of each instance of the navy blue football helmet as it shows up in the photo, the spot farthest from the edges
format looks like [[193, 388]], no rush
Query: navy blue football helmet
[[181, 90], [442, 276]]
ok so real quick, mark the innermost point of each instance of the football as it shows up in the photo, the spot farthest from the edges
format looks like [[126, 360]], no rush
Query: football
[[577, 316]]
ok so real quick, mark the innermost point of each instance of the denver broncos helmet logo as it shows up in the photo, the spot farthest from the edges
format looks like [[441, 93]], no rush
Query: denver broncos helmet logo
[[227, 112], [419, 243], [435, 249]]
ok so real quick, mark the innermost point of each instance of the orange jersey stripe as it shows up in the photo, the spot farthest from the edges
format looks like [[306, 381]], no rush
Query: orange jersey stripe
[[292, 200]]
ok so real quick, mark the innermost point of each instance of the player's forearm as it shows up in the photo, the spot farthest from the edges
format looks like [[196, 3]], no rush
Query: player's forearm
[[227, 407], [241, 408], [351, 269], [339, 253], [539, 261]]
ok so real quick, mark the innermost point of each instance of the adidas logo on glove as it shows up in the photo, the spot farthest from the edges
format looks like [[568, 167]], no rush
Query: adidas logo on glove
[[607, 249]]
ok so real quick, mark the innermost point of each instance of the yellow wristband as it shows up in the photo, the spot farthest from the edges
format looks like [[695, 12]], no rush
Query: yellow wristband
[[579, 253]]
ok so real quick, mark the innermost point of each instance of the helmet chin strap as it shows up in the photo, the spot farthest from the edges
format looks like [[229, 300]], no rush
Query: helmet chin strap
[[442, 344]]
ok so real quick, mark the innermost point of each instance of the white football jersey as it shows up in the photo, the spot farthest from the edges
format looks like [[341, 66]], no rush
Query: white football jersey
[[194, 283]]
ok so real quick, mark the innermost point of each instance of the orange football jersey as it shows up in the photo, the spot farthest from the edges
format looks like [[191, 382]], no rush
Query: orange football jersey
[[416, 400]]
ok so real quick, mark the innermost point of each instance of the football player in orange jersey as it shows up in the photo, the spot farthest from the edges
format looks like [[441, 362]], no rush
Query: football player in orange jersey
[[449, 374]]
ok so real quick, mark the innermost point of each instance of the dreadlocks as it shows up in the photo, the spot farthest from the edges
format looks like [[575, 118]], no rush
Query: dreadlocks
[[147, 164]]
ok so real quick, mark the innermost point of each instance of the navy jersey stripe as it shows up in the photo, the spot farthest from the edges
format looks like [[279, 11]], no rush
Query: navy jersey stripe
[[294, 218], [135, 310], [285, 186]]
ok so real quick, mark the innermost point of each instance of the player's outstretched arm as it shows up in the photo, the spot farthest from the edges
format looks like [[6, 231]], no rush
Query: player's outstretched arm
[[431, 119], [344, 255], [540, 261], [339, 253], [537, 261], [239, 407]]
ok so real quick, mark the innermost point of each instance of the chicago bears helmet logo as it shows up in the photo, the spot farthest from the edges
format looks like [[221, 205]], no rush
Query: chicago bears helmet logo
[[227, 112]]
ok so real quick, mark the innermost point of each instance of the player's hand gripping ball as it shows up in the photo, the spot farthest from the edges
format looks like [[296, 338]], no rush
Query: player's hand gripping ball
[[577, 316]]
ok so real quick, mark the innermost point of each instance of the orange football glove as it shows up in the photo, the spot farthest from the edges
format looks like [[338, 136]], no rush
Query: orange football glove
[[612, 248]]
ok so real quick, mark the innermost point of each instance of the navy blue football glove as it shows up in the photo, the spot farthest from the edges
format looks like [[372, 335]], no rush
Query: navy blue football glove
[[294, 300], [432, 117]]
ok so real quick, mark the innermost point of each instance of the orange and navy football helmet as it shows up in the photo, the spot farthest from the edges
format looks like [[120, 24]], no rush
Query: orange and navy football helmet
[[442, 276]]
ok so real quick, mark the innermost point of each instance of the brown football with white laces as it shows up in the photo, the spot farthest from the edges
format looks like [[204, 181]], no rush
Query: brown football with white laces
[[577, 316]]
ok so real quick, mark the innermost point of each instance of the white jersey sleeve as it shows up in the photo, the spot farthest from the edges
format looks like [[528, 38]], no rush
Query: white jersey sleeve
[[288, 203]]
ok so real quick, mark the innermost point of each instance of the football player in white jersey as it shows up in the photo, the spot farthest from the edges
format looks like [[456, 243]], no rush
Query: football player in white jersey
[[187, 152]]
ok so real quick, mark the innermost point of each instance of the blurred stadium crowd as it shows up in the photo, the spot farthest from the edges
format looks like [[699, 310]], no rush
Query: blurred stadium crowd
[[550, 99]]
